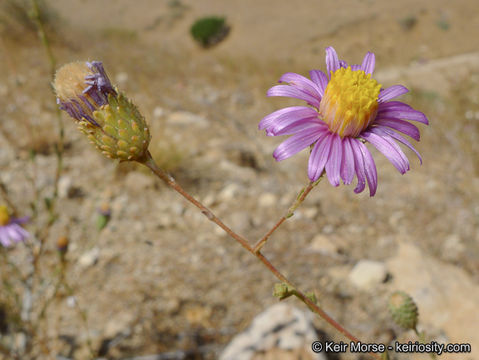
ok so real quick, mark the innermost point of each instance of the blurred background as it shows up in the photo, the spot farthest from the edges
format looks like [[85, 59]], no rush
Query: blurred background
[[156, 278]]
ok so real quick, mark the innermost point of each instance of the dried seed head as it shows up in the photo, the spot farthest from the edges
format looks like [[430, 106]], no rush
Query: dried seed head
[[108, 118]]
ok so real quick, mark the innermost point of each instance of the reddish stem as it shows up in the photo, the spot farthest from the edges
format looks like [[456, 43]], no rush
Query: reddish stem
[[167, 179]]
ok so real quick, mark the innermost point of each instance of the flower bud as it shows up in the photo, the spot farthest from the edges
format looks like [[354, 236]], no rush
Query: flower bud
[[62, 245], [106, 116], [403, 310]]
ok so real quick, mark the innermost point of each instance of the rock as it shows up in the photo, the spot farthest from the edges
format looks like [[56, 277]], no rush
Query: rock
[[158, 112], [65, 184], [184, 118], [446, 295], [280, 332], [71, 301], [367, 274], [437, 75], [66, 188], [323, 245], [453, 247], [309, 212], [328, 229], [229, 192], [89, 258], [120, 323], [267, 200]]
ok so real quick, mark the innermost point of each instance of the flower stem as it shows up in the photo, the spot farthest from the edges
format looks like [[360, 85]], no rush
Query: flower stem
[[299, 199], [170, 181]]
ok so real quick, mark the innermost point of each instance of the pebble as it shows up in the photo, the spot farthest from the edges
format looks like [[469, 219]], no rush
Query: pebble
[[267, 200], [323, 245], [367, 274], [229, 192], [65, 185], [120, 323], [158, 112], [280, 329], [89, 258]]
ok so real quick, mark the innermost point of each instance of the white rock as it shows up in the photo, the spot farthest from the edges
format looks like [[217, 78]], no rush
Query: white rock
[[323, 244], [71, 301], [267, 200], [158, 112], [281, 327], [89, 258], [65, 186], [367, 274]]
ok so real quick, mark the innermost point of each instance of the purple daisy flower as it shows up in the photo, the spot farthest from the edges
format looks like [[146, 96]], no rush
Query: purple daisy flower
[[346, 109], [10, 230]]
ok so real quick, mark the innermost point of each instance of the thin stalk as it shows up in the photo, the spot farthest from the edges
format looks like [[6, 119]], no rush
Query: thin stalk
[[299, 199], [170, 181], [59, 147]]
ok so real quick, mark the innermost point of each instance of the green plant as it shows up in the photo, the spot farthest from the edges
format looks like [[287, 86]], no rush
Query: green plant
[[209, 31]]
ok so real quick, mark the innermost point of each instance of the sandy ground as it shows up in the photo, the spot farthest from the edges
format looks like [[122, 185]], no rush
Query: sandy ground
[[160, 278]]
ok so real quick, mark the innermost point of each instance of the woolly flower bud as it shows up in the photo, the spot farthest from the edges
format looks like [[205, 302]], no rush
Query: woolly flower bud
[[403, 310], [111, 121]]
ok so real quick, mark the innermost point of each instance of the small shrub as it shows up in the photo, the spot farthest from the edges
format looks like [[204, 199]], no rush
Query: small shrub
[[209, 31]]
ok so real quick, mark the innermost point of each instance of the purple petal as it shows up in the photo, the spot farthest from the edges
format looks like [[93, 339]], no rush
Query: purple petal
[[294, 92], [402, 113], [296, 143], [398, 137], [320, 79], [394, 105], [4, 238], [15, 232], [386, 145], [355, 67], [332, 60], [302, 83], [278, 115], [333, 166], [391, 92], [299, 125], [21, 220], [369, 168], [400, 125], [359, 166], [319, 156], [343, 64], [347, 163], [287, 115], [368, 64]]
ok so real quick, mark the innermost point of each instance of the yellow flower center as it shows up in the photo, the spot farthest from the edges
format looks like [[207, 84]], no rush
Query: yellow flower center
[[350, 102], [4, 217]]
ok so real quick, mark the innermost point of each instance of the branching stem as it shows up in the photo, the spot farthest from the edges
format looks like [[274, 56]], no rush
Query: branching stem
[[168, 180]]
